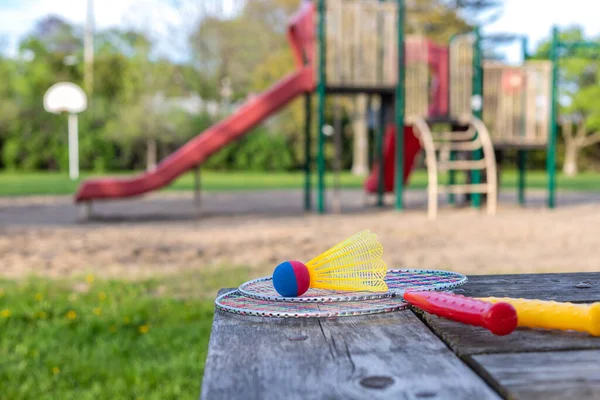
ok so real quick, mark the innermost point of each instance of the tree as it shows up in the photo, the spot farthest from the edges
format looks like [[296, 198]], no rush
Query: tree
[[579, 93], [33, 138], [440, 19], [143, 113]]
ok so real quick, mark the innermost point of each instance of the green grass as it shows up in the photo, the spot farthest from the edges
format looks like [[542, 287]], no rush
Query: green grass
[[23, 184], [91, 339], [50, 183]]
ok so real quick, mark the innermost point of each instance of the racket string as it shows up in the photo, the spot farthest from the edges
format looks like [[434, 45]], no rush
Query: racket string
[[397, 280]]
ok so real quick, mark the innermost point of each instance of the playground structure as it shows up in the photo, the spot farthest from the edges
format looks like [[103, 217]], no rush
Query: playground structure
[[348, 47], [362, 49]]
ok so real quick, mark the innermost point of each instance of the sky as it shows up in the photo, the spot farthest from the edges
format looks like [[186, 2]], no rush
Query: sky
[[17, 17], [533, 18]]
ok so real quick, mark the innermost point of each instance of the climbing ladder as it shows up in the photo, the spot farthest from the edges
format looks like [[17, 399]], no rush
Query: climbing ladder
[[439, 146]]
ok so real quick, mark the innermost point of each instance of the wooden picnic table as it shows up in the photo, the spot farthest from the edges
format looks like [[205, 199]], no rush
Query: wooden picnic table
[[408, 354]]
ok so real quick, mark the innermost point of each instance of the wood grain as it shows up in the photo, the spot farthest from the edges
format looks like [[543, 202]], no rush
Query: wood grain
[[468, 340], [546, 375], [575, 287], [386, 356]]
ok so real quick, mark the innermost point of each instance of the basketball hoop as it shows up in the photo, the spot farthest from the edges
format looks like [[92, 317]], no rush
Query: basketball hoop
[[70, 98]]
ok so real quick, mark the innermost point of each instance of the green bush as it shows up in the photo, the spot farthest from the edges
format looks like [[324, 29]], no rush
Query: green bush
[[259, 150]]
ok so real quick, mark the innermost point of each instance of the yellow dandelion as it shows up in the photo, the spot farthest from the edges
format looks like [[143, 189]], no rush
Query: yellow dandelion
[[144, 329], [126, 320], [101, 296], [39, 297], [71, 315], [5, 313], [90, 279], [113, 328], [97, 311], [56, 370]]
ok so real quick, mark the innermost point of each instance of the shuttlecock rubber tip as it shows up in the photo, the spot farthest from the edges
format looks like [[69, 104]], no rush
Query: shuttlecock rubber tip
[[291, 278]]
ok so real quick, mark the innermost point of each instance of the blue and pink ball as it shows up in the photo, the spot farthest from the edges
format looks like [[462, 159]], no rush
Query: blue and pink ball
[[291, 278]]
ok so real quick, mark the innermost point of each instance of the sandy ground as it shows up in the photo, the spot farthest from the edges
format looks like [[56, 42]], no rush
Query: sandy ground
[[521, 240]]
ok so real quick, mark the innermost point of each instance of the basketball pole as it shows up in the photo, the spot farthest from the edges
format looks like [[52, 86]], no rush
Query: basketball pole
[[73, 147]]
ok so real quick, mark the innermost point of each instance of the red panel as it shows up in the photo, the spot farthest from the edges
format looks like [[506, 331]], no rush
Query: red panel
[[411, 149], [301, 34], [438, 62]]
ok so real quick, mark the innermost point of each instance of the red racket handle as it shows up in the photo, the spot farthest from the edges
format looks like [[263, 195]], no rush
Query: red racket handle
[[499, 318]]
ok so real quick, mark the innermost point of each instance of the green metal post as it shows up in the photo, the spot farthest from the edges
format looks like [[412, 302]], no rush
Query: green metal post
[[321, 82], [551, 152], [399, 111], [379, 148], [307, 152], [451, 173], [379, 132], [522, 154], [477, 96]]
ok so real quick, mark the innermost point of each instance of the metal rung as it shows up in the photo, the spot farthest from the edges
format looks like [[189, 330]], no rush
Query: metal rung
[[465, 188], [474, 145], [462, 165]]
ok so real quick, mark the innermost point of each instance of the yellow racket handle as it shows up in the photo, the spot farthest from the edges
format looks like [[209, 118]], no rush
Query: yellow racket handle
[[554, 315]]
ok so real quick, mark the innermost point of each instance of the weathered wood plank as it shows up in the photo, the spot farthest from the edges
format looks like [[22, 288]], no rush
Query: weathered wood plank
[[376, 357], [468, 340], [547, 375], [575, 287]]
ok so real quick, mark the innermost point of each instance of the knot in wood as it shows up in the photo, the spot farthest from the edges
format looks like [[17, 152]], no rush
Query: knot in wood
[[584, 285], [425, 395], [377, 382], [297, 338]]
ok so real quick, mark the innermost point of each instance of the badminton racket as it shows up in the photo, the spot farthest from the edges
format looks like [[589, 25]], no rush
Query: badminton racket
[[417, 287]]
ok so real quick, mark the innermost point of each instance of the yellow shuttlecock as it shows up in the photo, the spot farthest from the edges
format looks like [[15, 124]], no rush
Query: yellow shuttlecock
[[353, 264]]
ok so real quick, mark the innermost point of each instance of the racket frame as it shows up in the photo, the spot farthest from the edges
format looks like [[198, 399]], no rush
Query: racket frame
[[357, 296], [399, 305]]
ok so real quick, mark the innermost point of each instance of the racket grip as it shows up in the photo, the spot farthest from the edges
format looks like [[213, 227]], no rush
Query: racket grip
[[555, 315], [499, 318]]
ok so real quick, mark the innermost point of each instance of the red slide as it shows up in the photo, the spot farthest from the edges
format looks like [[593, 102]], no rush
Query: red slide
[[411, 149], [202, 146], [197, 150]]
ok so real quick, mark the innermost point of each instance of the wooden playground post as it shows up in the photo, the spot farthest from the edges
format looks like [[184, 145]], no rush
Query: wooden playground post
[[399, 111], [337, 165]]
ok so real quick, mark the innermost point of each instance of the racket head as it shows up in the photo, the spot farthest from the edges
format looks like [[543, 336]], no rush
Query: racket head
[[398, 281], [237, 303]]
